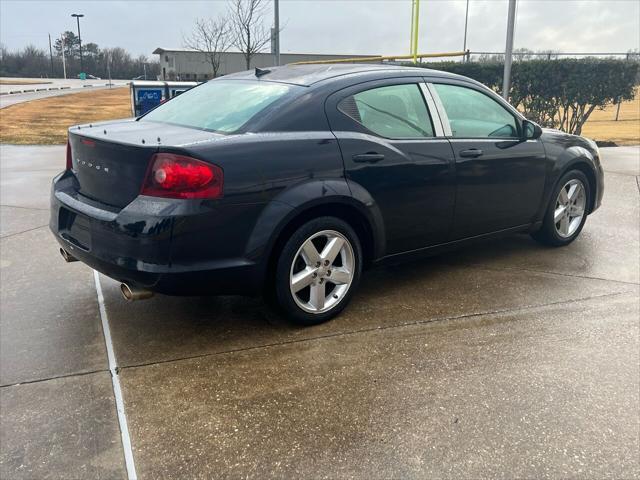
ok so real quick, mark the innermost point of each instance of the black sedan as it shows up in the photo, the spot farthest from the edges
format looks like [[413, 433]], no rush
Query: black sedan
[[291, 181]]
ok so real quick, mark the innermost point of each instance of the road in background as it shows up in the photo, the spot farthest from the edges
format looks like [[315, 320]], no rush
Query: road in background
[[53, 88], [504, 359], [5, 87]]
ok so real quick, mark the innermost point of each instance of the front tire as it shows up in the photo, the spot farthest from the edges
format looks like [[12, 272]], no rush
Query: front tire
[[318, 270], [567, 210]]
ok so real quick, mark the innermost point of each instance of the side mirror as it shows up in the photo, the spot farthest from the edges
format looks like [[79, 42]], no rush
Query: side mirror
[[531, 130]]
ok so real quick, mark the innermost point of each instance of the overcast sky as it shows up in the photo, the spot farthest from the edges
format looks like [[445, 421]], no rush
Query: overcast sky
[[336, 26]]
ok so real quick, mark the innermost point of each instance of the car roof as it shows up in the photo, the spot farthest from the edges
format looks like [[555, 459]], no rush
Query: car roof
[[309, 74]]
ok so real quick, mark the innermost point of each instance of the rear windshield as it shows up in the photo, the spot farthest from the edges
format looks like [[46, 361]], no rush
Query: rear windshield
[[219, 106]]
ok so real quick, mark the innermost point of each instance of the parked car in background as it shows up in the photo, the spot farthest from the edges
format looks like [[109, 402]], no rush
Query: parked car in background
[[291, 181]]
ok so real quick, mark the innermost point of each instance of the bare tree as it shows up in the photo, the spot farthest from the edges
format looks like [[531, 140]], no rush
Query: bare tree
[[212, 37], [249, 33]]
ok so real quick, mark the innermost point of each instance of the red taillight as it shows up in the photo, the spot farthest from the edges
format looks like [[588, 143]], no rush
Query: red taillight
[[177, 176], [69, 162]]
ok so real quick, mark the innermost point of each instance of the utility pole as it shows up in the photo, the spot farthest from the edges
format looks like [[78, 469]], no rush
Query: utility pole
[[78, 17], [511, 20], [276, 30], [64, 63], [109, 67], [51, 56], [466, 22]]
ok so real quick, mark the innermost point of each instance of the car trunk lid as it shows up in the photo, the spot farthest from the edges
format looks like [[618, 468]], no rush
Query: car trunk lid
[[110, 160]]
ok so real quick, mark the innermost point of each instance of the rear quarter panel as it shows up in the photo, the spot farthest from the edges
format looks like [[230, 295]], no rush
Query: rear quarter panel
[[266, 176]]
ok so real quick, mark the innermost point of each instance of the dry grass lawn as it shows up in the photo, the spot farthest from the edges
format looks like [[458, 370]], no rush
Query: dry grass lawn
[[602, 126], [45, 121]]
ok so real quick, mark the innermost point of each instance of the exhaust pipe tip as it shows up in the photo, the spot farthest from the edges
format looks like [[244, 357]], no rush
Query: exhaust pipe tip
[[67, 256], [132, 294]]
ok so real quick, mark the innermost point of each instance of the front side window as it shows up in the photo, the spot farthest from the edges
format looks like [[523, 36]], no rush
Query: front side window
[[473, 114], [220, 105], [396, 111]]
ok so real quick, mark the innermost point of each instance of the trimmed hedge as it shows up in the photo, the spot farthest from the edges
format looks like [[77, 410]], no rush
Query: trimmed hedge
[[557, 93]]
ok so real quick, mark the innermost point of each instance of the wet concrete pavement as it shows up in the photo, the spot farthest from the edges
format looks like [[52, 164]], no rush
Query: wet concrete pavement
[[543, 392], [62, 428], [505, 359]]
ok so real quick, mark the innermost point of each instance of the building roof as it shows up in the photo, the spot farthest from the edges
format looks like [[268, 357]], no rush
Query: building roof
[[161, 50]]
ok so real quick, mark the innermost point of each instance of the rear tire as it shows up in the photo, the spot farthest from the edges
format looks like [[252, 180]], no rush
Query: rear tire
[[318, 271], [567, 210]]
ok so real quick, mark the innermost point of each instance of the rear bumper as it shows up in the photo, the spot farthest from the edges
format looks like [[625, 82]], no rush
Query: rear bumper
[[175, 248]]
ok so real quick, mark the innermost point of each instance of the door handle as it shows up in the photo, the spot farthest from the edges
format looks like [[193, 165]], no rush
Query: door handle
[[471, 153], [369, 157]]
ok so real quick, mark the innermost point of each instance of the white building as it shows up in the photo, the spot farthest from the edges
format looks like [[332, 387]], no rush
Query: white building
[[185, 64]]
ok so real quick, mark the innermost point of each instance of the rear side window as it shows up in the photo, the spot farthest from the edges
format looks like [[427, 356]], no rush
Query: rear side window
[[219, 106], [396, 111], [473, 114]]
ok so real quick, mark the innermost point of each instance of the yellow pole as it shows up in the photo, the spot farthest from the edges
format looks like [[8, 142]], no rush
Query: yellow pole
[[415, 31], [413, 12]]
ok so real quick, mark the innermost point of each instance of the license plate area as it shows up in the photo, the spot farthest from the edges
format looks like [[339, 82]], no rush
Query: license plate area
[[75, 228]]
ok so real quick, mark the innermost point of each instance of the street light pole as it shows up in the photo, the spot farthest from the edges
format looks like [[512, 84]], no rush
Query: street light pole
[[511, 19], [78, 17]]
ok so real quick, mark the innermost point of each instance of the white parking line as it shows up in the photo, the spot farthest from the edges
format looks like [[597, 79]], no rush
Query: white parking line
[[117, 391]]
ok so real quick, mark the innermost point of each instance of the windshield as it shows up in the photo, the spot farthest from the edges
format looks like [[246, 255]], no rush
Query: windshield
[[220, 106]]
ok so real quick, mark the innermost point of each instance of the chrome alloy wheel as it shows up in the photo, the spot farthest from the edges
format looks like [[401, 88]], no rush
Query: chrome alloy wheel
[[570, 208], [322, 271]]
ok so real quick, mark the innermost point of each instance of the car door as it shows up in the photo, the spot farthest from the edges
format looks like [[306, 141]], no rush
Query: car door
[[499, 176], [393, 147]]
